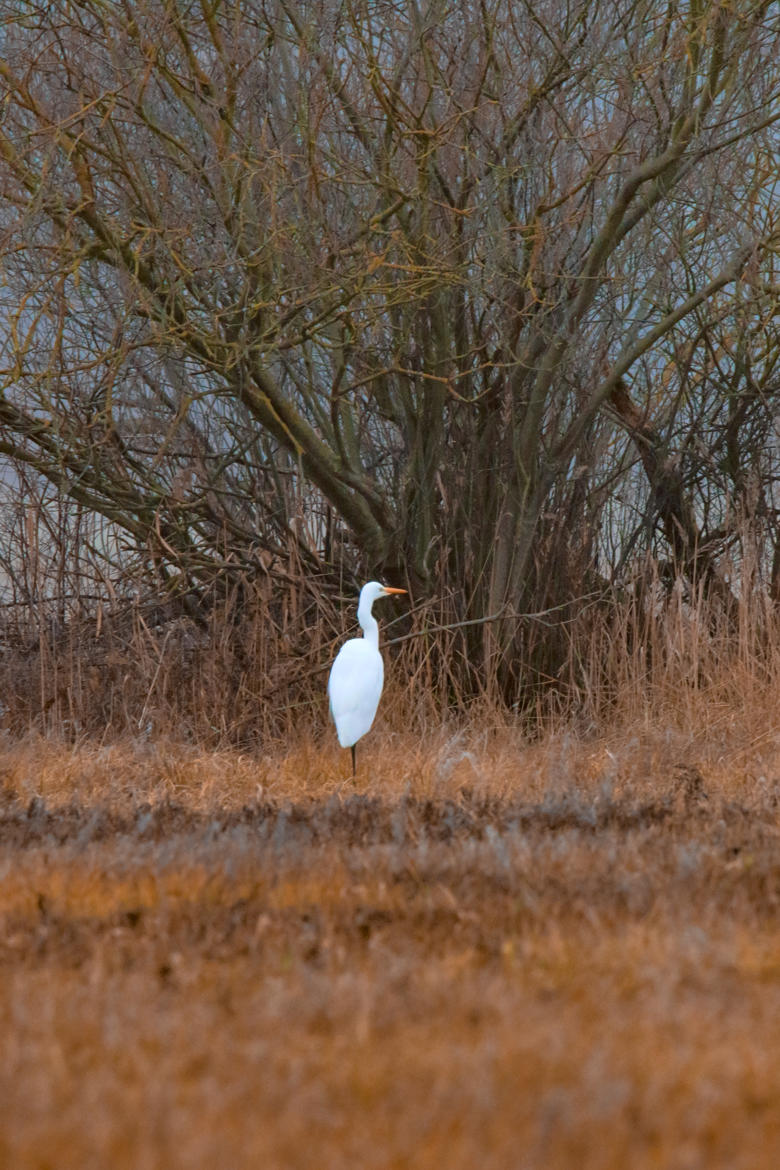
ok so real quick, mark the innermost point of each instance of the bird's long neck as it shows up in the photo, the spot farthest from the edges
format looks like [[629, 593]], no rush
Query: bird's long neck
[[368, 624]]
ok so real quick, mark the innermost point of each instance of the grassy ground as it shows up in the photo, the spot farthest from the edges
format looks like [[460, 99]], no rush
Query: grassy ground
[[481, 954]]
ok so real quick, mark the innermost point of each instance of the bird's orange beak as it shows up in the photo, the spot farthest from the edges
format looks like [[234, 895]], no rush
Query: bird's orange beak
[[390, 589]]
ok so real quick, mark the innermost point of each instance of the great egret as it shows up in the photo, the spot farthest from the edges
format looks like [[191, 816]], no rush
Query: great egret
[[357, 674]]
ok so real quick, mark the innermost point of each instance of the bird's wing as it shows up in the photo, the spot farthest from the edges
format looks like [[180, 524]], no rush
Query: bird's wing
[[354, 689]]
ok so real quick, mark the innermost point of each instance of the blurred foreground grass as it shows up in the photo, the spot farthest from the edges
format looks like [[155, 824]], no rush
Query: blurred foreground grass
[[481, 954]]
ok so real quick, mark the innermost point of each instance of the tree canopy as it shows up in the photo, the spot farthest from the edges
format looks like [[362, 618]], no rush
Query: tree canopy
[[475, 294]]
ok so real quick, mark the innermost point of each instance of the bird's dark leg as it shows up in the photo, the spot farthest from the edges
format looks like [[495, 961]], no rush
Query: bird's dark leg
[[353, 761]]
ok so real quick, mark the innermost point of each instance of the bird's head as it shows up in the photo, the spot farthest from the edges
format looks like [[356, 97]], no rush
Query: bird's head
[[374, 590]]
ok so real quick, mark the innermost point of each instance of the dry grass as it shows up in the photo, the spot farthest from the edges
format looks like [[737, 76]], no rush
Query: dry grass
[[546, 937], [251, 673], [485, 953]]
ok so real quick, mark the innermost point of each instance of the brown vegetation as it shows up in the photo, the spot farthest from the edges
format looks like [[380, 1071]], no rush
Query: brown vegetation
[[480, 298], [540, 938], [484, 952]]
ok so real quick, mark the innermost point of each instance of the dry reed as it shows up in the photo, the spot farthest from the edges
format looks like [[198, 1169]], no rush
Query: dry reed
[[541, 935]]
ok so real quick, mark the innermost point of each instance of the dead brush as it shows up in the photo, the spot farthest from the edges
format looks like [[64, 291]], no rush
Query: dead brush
[[249, 675]]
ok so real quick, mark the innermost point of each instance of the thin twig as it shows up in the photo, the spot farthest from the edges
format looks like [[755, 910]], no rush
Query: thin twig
[[494, 617]]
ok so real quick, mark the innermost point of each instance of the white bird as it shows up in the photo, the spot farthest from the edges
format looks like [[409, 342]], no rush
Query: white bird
[[357, 674]]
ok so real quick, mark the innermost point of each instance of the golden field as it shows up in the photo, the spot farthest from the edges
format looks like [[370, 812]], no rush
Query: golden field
[[484, 952]]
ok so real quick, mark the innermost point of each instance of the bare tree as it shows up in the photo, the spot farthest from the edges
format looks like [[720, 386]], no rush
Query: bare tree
[[380, 281]]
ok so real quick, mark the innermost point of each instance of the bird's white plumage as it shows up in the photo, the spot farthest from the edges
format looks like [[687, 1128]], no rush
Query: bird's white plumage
[[357, 674], [354, 689]]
